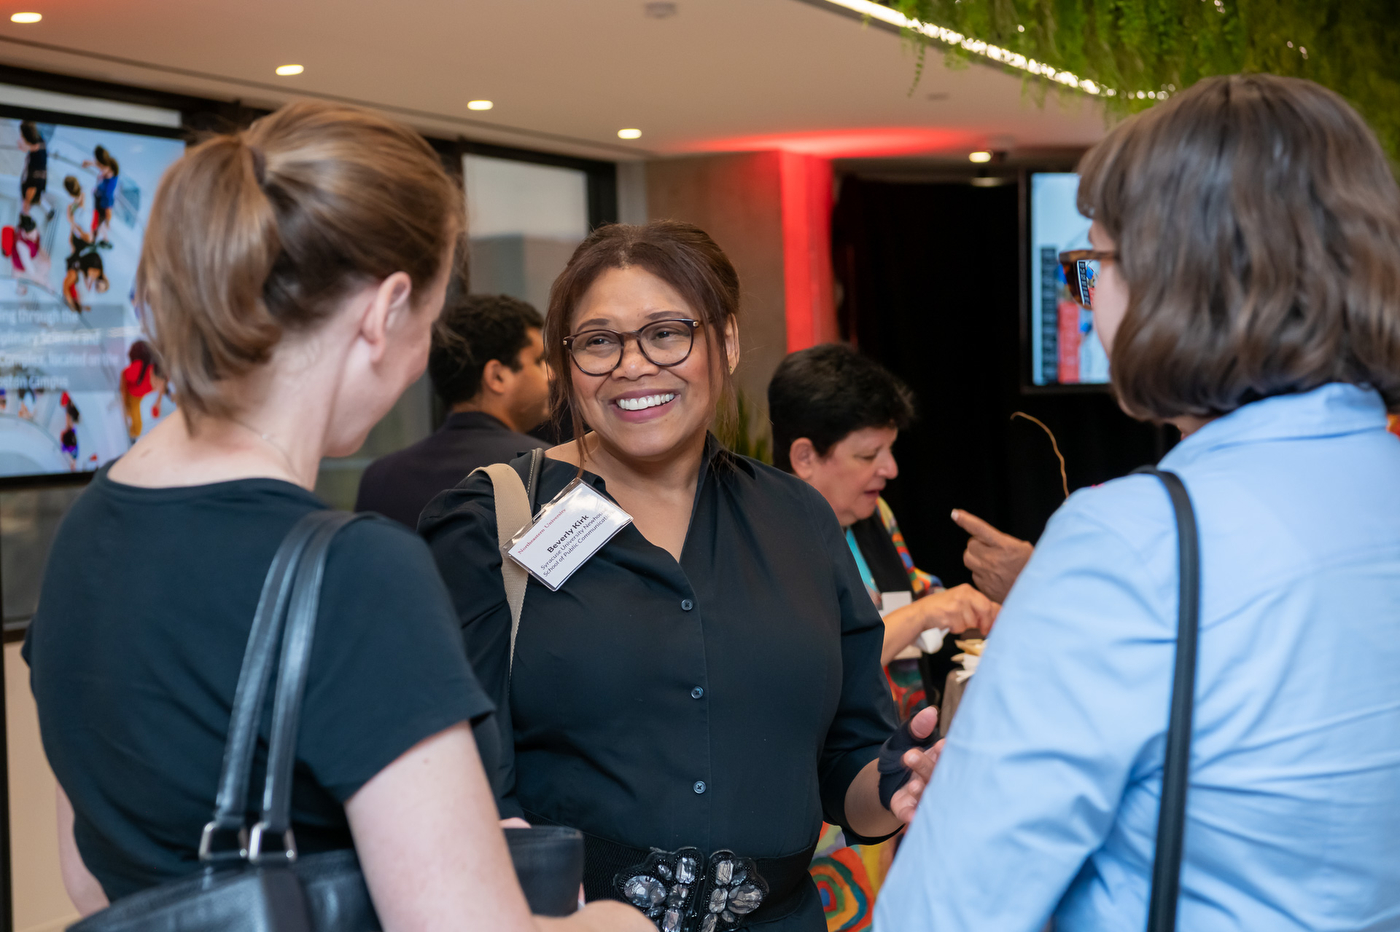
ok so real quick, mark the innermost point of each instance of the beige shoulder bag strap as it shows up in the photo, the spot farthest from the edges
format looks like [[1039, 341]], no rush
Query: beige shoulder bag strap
[[512, 514]]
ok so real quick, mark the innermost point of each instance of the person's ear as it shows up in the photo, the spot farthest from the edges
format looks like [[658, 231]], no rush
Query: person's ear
[[731, 344], [389, 303], [495, 377], [803, 456]]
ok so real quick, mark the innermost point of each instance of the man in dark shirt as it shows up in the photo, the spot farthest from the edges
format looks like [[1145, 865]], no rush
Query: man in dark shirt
[[487, 364]]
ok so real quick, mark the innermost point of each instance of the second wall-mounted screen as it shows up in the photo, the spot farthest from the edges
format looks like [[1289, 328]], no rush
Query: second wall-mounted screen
[[1065, 347]]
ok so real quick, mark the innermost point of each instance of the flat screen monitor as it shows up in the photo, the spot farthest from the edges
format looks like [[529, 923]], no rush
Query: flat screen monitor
[[1065, 348], [78, 384]]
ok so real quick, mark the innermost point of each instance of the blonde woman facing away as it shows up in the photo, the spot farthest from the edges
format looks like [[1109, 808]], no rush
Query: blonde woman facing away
[[292, 273]]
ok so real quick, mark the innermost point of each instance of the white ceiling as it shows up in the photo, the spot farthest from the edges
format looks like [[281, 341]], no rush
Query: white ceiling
[[565, 75]]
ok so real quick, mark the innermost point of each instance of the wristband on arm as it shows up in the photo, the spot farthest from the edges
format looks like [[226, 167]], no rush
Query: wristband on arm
[[893, 773]]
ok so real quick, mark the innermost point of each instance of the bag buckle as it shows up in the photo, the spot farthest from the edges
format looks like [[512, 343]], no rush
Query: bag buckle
[[256, 855], [206, 844]]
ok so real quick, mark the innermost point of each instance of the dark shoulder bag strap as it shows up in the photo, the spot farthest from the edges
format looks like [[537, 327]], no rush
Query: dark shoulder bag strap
[[531, 478], [302, 612], [265, 635], [1171, 820]]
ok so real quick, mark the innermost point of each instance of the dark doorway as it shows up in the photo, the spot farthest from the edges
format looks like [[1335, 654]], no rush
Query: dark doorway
[[931, 288]]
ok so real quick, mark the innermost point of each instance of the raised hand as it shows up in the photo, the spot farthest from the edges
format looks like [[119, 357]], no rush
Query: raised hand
[[996, 559]]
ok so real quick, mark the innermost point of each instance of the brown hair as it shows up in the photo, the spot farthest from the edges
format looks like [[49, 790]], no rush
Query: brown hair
[[680, 254], [260, 233], [1258, 230]]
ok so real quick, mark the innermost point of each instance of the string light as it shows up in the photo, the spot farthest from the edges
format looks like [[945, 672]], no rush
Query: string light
[[995, 53]]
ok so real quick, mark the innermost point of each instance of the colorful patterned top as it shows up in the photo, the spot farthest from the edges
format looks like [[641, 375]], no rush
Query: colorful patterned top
[[918, 579], [906, 684]]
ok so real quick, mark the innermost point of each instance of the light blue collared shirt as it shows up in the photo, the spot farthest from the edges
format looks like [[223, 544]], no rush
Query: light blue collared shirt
[[1045, 800]]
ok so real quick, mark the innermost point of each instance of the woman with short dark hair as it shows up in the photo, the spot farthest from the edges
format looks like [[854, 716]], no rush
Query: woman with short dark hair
[[706, 686], [836, 415], [1246, 238]]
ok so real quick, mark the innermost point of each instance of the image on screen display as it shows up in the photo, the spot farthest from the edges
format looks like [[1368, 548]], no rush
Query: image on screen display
[[1065, 349], [78, 382]]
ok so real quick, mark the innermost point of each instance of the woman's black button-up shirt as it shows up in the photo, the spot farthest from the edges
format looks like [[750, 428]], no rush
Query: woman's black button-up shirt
[[725, 701]]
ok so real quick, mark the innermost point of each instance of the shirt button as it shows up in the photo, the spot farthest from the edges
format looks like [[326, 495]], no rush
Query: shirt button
[[699, 786], [696, 693], [686, 605]]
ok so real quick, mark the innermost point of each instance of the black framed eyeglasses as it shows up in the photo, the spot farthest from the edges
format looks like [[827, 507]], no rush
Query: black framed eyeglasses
[[664, 343], [1081, 268]]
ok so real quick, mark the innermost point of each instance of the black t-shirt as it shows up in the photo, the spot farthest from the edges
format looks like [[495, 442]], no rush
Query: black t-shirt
[[36, 169], [136, 648]]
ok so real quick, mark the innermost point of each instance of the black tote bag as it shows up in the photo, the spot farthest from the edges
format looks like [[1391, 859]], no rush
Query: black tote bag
[[252, 880]]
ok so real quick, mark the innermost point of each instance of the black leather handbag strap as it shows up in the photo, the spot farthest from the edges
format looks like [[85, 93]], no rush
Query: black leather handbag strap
[[300, 631], [231, 803], [1171, 820], [264, 638]]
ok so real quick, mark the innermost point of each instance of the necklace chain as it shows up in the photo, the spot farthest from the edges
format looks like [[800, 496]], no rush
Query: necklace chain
[[267, 438]]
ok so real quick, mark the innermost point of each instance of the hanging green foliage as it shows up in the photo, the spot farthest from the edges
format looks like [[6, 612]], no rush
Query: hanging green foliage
[[1351, 46]]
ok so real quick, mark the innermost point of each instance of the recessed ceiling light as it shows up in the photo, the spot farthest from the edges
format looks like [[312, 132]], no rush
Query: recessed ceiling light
[[629, 134], [979, 156], [26, 17], [288, 70], [479, 105]]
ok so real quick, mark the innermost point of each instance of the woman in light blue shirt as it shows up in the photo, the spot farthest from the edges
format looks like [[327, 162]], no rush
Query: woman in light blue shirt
[[1247, 251]]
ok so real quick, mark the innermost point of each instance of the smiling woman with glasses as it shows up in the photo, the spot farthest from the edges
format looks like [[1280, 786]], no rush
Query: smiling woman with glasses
[[706, 687]]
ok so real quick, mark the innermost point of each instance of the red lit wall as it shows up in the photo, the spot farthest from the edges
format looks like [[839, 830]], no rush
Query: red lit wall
[[770, 211], [809, 305]]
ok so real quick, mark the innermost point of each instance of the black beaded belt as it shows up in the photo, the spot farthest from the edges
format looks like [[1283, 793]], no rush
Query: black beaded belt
[[689, 891]]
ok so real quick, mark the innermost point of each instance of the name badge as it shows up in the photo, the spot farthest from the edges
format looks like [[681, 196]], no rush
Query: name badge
[[567, 531], [889, 601]]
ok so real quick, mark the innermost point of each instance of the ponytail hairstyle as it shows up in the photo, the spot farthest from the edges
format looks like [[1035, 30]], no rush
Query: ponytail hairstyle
[[262, 233]]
